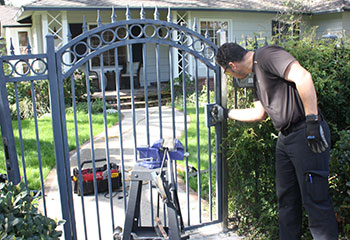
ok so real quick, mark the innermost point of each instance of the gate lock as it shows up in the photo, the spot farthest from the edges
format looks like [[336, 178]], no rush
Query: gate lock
[[214, 114]]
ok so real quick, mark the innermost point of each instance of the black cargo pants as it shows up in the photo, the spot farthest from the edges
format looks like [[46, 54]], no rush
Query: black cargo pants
[[302, 179]]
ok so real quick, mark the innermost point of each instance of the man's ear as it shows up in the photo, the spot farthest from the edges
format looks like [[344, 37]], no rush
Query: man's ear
[[233, 66]]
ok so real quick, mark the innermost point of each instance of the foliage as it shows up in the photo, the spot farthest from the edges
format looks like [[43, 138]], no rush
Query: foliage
[[252, 199], [20, 217], [39, 91], [340, 179], [329, 64]]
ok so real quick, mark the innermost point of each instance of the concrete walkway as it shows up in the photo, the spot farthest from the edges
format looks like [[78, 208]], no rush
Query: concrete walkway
[[99, 209]]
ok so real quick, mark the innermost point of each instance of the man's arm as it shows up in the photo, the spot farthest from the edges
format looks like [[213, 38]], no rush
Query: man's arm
[[305, 86], [255, 114]]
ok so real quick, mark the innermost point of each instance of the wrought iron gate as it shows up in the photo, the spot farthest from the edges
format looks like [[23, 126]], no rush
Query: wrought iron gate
[[59, 68]]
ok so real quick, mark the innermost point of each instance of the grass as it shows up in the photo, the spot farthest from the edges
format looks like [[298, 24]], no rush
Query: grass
[[47, 143], [203, 150]]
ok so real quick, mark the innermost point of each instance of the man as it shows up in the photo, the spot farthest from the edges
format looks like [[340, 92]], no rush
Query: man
[[285, 91]]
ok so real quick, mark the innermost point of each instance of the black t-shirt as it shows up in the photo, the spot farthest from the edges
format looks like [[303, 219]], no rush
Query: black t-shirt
[[279, 97]]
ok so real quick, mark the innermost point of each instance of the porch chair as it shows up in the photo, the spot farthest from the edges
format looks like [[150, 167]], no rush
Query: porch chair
[[125, 77]]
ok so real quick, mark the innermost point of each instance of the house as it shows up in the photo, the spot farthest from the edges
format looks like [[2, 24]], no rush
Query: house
[[239, 18]]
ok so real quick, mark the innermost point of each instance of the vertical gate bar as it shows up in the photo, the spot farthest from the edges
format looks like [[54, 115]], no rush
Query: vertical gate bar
[[222, 128], [38, 147], [199, 187], [145, 85], [78, 150], [218, 136], [69, 226], [184, 92], [67, 173], [159, 91], [146, 91], [131, 70], [106, 140], [172, 90], [20, 135], [172, 93], [117, 76], [8, 139], [160, 104], [209, 152]]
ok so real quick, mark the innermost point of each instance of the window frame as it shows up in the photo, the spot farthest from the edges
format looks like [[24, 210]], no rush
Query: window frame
[[228, 28]]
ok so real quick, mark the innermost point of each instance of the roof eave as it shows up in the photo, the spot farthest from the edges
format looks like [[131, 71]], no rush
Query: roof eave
[[338, 10], [16, 26], [95, 8]]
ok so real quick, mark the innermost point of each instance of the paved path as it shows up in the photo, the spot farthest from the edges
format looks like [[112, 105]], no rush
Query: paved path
[[102, 205]]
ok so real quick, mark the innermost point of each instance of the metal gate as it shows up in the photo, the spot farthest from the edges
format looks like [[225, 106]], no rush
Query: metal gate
[[96, 217]]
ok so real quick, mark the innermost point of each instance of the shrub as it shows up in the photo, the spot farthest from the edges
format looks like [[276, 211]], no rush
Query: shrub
[[19, 217], [340, 180], [41, 94]]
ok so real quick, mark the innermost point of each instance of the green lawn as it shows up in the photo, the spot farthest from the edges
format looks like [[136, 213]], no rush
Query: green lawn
[[203, 150], [47, 143]]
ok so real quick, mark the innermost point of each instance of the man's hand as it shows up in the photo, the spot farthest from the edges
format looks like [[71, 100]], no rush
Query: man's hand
[[315, 136]]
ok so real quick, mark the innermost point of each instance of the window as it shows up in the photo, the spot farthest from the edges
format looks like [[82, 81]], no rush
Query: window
[[281, 30], [108, 56], [213, 27], [23, 42]]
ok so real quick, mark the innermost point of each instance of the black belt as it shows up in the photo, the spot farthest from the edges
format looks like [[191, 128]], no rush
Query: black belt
[[294, 127]]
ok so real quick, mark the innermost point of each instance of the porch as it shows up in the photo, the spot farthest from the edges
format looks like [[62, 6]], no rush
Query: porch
[[139, 96]]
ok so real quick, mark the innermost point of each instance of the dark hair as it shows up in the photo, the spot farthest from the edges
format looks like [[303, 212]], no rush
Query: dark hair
[[230, 52]]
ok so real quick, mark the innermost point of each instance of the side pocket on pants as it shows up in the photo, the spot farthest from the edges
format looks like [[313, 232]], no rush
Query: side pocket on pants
[[317, 185]]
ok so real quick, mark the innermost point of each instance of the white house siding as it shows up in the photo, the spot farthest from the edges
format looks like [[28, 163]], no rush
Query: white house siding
[[328, 24], [164, 70], [346, 22], [240, 26]]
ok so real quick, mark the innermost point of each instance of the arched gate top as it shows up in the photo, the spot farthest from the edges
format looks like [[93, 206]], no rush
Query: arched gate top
[[132, 31]]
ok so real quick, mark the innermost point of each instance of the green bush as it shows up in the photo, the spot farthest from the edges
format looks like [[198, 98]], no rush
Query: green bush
[[41, 94], [340, 179], [20, 218], [251, 146]]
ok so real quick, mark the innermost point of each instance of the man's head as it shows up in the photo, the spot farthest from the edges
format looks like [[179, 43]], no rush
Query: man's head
[[232, 58], [230, 52]]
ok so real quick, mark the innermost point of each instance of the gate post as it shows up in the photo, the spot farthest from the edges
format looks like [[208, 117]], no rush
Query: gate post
[[69, 226], [224, 177], [8, 139]]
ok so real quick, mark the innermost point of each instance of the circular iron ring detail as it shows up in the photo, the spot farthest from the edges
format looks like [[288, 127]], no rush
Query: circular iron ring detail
[[86, 51], [175, 35], [99, 44], [106, 31], [38, 60], [126, 33], [24, 74], [74, 57], [195, 43], [145, 30], [159, 29], [133, 26]]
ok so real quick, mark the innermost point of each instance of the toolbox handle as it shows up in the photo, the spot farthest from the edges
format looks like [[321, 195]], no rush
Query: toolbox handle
[[90, 161]]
